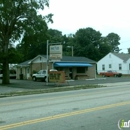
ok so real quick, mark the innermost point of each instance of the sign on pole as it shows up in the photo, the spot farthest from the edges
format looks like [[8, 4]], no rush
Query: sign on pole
[[56, 52], [57, 76]]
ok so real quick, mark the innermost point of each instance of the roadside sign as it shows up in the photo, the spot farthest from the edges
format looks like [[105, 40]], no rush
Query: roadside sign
[[57, 76], [56, 52]]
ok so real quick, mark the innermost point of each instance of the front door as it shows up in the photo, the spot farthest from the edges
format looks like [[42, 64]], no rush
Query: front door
[[71, 73]]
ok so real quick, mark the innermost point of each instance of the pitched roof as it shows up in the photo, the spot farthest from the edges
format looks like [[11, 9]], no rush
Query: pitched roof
[[64, 59], [75, 59], [122, 56], [26, 63]]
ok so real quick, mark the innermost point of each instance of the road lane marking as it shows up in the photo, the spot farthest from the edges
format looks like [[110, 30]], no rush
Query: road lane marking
[[60, 97], [29, 122]]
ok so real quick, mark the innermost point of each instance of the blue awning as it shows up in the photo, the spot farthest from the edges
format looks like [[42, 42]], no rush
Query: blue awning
[[72, 64]]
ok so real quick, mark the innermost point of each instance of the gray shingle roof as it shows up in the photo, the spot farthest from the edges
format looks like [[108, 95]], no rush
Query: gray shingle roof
[[75, 59], [24, 63], [122, 56], [64, 59]]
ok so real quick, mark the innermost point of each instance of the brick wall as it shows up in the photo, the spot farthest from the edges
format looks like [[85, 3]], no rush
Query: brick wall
[[39, 66], [91, 71]]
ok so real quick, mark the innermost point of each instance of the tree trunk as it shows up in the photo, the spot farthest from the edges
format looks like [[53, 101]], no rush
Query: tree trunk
[[5, 79]]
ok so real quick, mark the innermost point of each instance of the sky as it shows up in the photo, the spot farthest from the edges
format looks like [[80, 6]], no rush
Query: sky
[[105, 16]]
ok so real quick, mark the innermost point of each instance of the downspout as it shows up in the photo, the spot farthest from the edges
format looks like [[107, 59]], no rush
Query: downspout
[[95, 71]]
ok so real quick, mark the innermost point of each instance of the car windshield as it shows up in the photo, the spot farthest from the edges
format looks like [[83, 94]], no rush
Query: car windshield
[[42, 72]]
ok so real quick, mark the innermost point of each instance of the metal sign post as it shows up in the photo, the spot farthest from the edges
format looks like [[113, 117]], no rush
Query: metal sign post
[[47, 64]]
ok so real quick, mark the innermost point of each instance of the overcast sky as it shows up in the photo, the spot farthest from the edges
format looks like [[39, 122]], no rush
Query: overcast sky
[[105, 16]]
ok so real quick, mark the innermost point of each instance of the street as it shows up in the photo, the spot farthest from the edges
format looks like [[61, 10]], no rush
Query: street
[[90, 109]]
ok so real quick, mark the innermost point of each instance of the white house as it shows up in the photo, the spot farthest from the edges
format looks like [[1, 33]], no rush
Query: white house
[[114, 61]]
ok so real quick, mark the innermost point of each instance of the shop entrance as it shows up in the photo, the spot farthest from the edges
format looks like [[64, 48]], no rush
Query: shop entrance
[[71, 73]]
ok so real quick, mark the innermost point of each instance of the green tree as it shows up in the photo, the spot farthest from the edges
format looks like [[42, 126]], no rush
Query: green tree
[[15, 16], [104, 48], [129, 50], [34, 40], [55, 36], [113, 40], [34, 44], [87, 42], [90, 43], [68, 42]]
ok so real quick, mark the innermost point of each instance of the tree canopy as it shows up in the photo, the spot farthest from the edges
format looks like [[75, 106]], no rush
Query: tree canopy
[[34, 40], [18, 17], [87, 41], [20, 21], [90, 43], [128, 50], [113, 41]]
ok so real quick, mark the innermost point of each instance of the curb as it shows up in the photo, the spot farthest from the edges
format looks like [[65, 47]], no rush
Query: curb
[[51, 90]]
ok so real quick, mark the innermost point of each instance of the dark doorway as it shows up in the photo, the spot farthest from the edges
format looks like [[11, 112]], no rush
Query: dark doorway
[[71, 73]]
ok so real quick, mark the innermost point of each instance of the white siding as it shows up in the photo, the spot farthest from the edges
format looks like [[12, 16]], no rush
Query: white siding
[[114, 61], [128, 66]]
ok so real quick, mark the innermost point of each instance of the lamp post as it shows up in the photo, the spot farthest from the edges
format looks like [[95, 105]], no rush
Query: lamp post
[[72, 49]]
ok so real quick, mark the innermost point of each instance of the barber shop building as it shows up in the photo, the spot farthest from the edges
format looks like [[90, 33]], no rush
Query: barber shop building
[[74, 67]]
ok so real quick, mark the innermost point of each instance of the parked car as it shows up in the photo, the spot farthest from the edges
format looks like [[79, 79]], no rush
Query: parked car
[[111, 73], [12, 74], [41, 75]]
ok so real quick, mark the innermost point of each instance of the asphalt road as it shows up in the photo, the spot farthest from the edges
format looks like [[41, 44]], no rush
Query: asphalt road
[[91, 109]]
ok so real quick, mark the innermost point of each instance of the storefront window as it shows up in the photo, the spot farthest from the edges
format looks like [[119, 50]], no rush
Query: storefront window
[[80, 69], [60, 68]]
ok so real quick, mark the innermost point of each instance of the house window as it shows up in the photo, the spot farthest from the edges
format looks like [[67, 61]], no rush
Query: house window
[[109, 55], [60, 68], [103, 67], [129, 66], [110, 66], [120, 66], [80, 69]]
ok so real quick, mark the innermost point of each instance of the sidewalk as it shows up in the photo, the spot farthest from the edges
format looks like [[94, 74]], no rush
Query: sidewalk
[[5, 89], [26, 85], [116, 84]]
